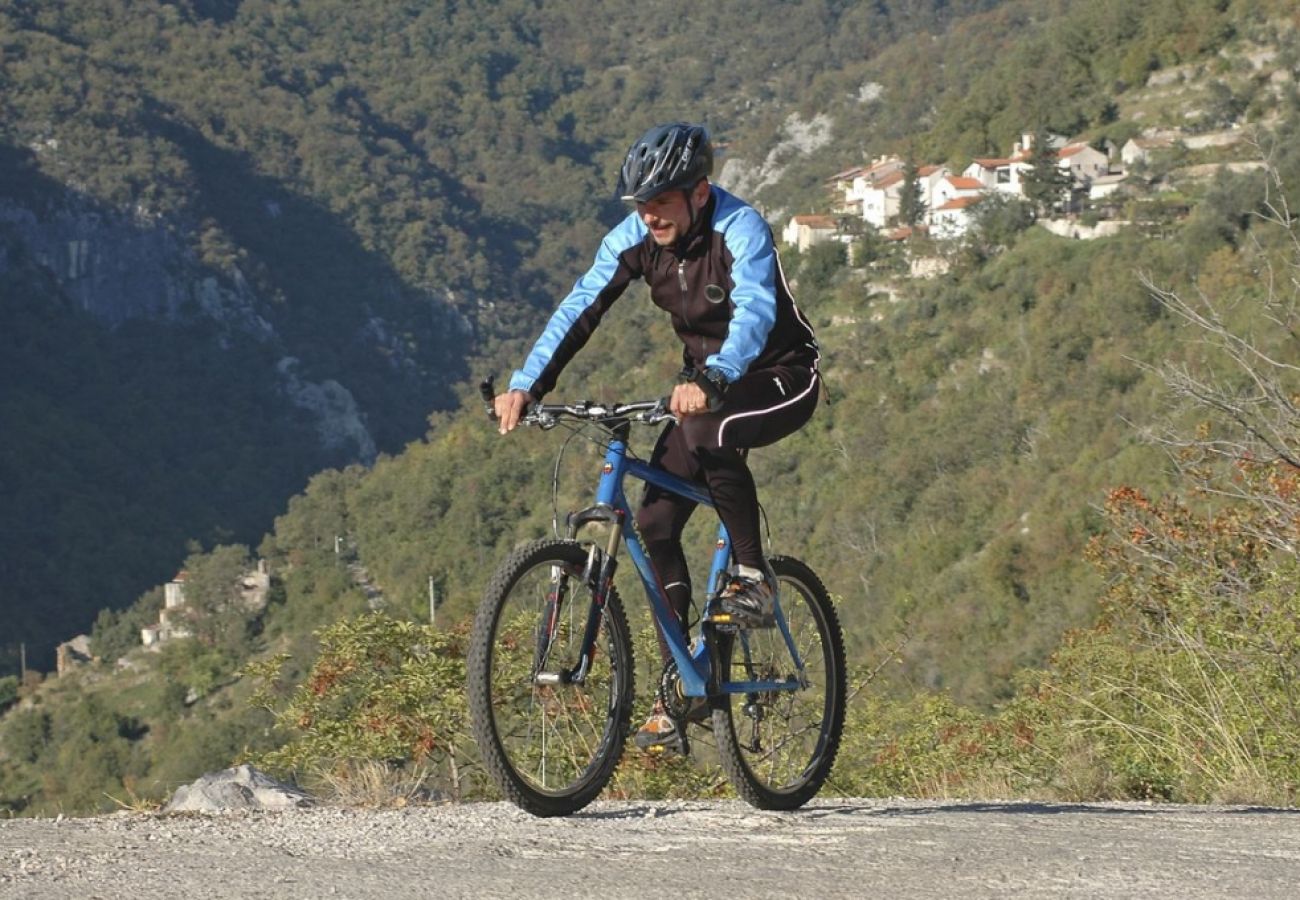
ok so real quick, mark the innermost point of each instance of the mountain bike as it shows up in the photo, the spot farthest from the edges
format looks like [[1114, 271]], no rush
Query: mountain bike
[[550, 665]]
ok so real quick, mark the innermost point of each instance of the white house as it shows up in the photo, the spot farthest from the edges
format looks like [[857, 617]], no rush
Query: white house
[[254, 588], [880, 199], [928, 179], [171, 619], [807, 231], [1105, 185], [1000, 174], [1083, 163], [840, 187], [869, 190], [953, 186], [953, 218], [1139, 150]]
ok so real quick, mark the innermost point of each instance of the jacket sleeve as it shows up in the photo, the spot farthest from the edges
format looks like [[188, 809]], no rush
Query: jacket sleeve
[[617, 264], [754, 270]]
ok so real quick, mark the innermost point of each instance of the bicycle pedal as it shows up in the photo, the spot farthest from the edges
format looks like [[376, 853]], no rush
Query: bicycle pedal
[[730, 623], [723, 622]]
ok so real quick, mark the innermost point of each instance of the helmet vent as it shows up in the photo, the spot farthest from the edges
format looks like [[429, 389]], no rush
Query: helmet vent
[[666, 157]]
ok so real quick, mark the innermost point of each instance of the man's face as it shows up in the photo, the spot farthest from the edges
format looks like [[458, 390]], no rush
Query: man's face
[[668, 216]]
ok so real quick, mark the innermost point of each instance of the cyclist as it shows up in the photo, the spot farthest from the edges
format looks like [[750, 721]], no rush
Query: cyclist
[[710, 262]]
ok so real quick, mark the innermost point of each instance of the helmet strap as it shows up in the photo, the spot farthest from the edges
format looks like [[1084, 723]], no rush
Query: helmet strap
[[689, 194]]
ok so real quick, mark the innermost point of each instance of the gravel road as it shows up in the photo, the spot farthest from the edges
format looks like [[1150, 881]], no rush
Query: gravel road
[[832, 848]]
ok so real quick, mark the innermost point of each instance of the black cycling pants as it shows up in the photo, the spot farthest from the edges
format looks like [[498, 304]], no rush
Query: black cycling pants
[[762, 407]]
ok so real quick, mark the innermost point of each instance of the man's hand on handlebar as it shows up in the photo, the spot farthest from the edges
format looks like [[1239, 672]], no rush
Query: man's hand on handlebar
[[688, 400], [509, 408]]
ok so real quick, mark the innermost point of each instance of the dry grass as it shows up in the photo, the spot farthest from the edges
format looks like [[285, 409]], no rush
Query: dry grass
[[374, 784]]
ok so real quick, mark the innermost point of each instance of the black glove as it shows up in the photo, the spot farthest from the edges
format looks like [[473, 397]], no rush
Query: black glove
[[714, 384]]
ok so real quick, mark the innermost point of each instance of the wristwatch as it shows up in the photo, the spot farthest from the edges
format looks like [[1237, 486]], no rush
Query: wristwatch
[[714, 384]]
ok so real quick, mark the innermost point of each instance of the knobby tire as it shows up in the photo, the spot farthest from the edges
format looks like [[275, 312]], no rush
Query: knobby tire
[[550, 748], [778, 747]]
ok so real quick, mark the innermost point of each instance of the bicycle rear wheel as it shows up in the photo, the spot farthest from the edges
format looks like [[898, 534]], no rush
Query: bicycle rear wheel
[[550, 744], [777, 747]]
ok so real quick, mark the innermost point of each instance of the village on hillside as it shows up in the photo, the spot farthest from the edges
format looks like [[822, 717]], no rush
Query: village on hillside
[[943, 203]]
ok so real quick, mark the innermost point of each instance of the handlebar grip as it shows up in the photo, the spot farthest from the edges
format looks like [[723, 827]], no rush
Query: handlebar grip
[[488, 392]]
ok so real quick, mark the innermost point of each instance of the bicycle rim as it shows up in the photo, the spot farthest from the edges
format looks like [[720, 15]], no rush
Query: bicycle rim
[[778, 746], [550, 747]]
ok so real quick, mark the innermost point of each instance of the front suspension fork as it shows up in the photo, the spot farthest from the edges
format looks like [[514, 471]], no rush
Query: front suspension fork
[[598, 578]]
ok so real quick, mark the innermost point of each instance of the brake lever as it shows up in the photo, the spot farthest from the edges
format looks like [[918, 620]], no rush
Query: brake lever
[[659, 413]]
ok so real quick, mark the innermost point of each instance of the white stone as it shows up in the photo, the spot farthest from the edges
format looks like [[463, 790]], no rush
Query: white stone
[[241, 787]]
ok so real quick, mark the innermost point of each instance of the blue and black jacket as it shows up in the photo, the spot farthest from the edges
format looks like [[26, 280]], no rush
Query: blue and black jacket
[[722, 284]]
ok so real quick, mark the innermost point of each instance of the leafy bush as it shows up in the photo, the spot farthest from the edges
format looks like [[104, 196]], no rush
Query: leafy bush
[[820, 264], [117, 633], [26, 734], [8, 691], [380, 690]]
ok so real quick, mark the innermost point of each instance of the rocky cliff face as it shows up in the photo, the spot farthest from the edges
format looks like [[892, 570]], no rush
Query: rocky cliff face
[[116, 267], [111, 267]]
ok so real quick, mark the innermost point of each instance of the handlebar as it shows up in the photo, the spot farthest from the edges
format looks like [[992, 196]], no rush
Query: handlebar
[[548, 415], [643, 412]]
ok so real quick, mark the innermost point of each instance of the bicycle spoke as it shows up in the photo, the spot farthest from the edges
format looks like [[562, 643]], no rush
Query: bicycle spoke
[[550, 745], [780, 744]]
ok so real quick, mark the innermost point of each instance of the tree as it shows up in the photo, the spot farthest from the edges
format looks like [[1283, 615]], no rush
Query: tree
[[821, 262], [1223, 106], [995, 222], [1044, 180], [27, 734], [911, 205], [1245, 380], [8, 691], [117, 633], [214, 604], [1212, 593]]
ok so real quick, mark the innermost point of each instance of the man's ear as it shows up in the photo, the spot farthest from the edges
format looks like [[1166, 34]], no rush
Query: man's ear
[[700, 193]]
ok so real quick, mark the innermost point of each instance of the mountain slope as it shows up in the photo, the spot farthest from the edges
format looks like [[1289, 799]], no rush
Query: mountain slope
[[311, 217]]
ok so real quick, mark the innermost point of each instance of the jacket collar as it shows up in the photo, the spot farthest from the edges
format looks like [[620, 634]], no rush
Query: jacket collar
[[690, 243]]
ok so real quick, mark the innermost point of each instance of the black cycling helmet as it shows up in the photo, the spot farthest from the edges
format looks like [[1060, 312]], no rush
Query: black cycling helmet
[[664, 158]]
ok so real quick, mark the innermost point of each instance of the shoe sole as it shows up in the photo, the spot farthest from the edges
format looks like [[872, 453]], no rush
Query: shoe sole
[[656, 743]]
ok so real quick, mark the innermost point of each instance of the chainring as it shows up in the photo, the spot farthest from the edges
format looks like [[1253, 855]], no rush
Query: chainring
[[676, 704]]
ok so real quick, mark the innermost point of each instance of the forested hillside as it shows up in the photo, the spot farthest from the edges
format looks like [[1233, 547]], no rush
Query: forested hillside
[[245, 241], [392, 197]]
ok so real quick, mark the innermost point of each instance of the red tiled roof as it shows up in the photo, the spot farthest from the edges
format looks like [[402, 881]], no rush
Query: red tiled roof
[[847, 174], [959, 203], [962, 183], [892, 161], [815, 221], [905, 232]]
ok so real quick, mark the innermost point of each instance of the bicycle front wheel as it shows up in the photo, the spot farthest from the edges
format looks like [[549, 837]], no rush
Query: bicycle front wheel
[[549, 742], [777, 747]]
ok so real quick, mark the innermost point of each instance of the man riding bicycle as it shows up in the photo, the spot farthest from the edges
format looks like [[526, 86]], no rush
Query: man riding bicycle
[[750, 359]]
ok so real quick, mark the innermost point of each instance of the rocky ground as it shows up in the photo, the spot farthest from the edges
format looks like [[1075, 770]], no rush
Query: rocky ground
[[833, 848]]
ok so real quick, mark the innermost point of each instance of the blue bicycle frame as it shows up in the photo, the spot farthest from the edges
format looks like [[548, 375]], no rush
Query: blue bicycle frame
[[693, 663]]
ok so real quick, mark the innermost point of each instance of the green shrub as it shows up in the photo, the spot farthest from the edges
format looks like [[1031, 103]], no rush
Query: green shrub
[[8, 691], [820, 264], [380, 690]]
